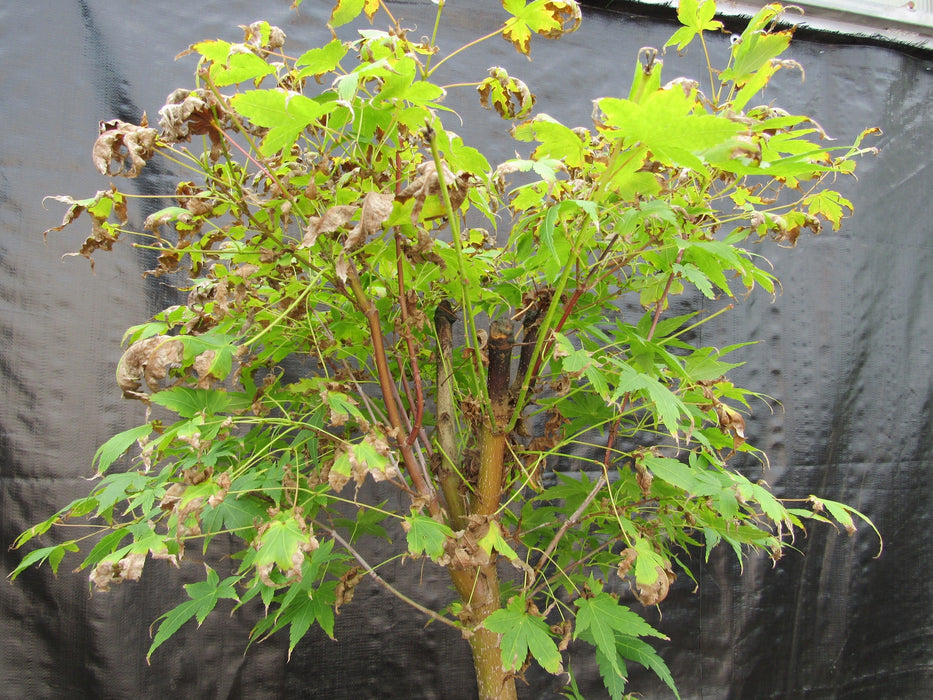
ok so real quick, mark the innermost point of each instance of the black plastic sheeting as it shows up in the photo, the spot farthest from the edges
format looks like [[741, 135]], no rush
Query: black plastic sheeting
[[846, 349]]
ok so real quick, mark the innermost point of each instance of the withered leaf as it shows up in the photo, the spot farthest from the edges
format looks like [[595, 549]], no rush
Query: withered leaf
[[193, 112], [120, 142], [654, 593], [509, 96], [106, 574], [346, 587], [427, 183], [331, 221], [263, 36], [376, 209], [150, 359]]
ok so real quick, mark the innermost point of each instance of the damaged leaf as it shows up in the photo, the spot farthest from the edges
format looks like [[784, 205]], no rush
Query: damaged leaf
[[128, 145], [548, 18], [509, 96]]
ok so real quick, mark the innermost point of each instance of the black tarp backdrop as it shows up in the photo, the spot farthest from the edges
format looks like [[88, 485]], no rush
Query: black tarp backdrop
[[846, 349]]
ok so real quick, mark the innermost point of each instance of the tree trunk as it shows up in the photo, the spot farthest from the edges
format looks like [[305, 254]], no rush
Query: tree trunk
[[479, 590]]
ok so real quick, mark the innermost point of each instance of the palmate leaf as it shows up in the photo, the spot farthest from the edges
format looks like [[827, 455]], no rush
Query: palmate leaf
[[281, 540], [111, 450], [549, 18], [425, 535], [345, 11], [614, 630], [555, 140], [285, 114], [637, 650], [315, 607], [667, 405], [204, 596], [53, 555], [188, 402], [522, 633], [696, 17], [613, 679], [321, 60]]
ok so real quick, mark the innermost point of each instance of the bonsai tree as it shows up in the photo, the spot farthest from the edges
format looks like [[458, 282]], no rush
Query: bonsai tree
[[369, 298]]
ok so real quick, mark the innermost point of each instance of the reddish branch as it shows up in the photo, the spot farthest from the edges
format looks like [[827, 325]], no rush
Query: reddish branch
[[421, 484]]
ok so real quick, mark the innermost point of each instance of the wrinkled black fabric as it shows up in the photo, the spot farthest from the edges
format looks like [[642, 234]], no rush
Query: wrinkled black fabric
[[846, 349]]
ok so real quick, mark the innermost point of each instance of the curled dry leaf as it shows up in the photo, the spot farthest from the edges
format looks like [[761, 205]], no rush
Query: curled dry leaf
[[654, 593], [202, 365], [263, 37], [644, 478], [427, 183], [120, 142], [99, 208], [149, 359], [346, 587], [626, 560], [106, 574], [332, 220], [223, 482], [193, 112], [375, 210]]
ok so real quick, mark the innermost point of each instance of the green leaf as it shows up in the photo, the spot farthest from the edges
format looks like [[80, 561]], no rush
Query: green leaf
[[703, 365], [667, 405], [239, 67], [107, 545], [696, 17], [115, 487], [311, 608], [345, 11], [676, 474], [613, 679], [282, 538], [550, 18], [321, 60], [752, 53], [426, 535], [664, 123], [53, 554], [236, 513], [637, 650], [204, 596], [286, 114], [188, 402], [843, 515], [111, 450], [556, 140], [493, 540], [603, 612], [522, 633]]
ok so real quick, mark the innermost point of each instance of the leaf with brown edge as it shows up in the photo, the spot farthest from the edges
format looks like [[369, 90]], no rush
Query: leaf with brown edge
[[509, 96], [346, 11], [548, 18]]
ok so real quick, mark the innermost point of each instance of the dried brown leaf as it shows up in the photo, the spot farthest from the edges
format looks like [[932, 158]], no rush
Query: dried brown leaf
[[127, 145], [375, 210], [193, 112], [149, 359], [332, 220], [346, 587]]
